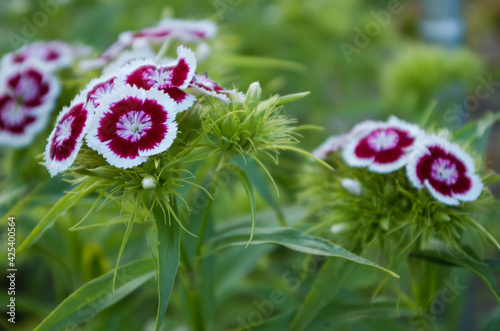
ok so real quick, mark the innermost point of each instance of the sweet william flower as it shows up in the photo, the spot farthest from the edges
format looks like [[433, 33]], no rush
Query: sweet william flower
[[66, 138], [381, 146], [445, 170], [27, 96], [170, 79], [131, 124], [53, 54], [337, 142], [174, 29], [204, 85]]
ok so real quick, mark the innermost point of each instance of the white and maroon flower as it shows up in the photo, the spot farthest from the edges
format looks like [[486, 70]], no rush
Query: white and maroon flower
[[445, 169], [131, 124], [381, 146], [337, 142], [204, 85], [170, 79], [174, 29], [27, 96], [98, 88], [53, 54], [330, 145], [66, 138]]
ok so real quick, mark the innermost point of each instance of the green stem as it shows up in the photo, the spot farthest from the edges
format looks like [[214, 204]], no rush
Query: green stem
[[193, 300], [206, 214]]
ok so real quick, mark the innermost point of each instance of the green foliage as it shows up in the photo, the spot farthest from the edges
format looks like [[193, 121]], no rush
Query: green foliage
[[421, 73]]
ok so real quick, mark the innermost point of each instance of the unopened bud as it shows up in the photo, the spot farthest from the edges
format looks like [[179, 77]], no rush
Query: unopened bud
[[149, 183], [254, 92]]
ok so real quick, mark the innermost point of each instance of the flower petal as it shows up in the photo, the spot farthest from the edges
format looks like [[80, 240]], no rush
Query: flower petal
[[65, 140]]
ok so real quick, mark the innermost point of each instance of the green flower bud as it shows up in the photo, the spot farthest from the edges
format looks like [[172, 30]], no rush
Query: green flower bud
[[229, 126], [442, 217], [385, 224], [254, 92]]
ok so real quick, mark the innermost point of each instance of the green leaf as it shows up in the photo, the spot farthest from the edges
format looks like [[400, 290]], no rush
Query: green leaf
[[97, 295], [66, 202], [291, 97], [476, 133], [470, 262], [245, 181], [493, 323], [336, 314], [168, 256], [290, 238], [329, 280], [493, 264]]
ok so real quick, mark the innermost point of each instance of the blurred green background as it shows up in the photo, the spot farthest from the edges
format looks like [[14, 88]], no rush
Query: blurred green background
[[395, 72]]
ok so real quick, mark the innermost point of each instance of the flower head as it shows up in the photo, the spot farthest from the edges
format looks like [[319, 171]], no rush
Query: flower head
[[337, 142], [203, 84], [54, 54], [181, 30], [381, 146], [170, 79], [67, 137], [131, 124], [27, 96], [445, 169]]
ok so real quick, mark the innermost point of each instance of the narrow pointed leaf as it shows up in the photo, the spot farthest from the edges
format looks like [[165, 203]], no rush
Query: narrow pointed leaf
[[66, 202], [168, 241], [290, 238], [291, 97], [247, 184], [470, 262], [97, 295]]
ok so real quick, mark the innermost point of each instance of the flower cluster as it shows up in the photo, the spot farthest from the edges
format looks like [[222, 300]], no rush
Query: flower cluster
[[430, 161], [128, 115], [29, 88], [138, 43]]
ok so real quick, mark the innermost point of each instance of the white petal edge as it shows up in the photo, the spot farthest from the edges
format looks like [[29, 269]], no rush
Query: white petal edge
[[188, 56], [54, 167]]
